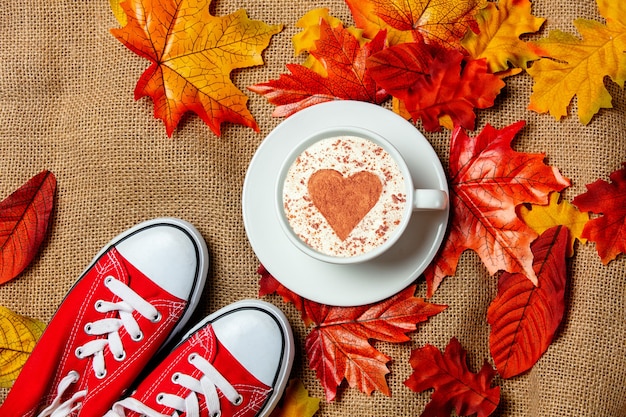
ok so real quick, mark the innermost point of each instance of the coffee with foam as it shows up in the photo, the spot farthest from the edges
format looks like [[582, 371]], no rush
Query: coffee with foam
[[344, 196]]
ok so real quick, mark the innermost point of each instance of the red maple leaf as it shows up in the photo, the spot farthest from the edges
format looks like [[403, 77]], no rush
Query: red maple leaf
[[338, 346], [488, 180], [434, 82], [608, 199], [24, 219], [455, 386], [525, 317], [344, 60]]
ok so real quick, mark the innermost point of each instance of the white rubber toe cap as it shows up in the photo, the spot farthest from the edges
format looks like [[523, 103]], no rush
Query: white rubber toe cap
[[170, 252], [258, 335]]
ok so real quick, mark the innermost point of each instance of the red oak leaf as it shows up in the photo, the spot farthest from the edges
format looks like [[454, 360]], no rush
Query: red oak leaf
[[338, 346], [608, 199], [525, 317], [24, 219], [488, 180], [455, 386], [344, 61], [435, 83]]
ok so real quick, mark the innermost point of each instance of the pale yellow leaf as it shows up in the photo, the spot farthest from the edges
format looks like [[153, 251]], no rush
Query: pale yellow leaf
[[18, 336]]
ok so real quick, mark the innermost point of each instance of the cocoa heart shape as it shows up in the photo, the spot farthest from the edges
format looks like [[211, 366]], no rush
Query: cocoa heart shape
[[344, 201]]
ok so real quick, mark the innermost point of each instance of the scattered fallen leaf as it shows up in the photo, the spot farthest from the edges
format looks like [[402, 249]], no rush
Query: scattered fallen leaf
[[18, 336], [456, 387], [525, 317], [434, 82], [435, 22], [543, 217], [488, 180], [343, 60], [571, 66], [192, 54], [296, 402], [608, 200], [498, 41], [24, 219], [339, 346]]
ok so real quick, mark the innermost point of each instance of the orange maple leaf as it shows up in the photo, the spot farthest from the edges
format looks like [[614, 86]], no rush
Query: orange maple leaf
[[501, 24], [338, 346], [440, 22], [577, 67], [192, 55], [488, 180], [343, 59]]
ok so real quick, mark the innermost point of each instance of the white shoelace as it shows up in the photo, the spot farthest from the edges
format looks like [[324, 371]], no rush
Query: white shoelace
[[208, 385], [130, 302]]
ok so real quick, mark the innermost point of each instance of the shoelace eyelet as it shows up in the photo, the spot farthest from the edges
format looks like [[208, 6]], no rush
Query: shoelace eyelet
[[108, 280], [216, 414], [159, 399], [101, 375], [137, 337], [238, 401], [120, 357], [192, 357], [79, 353], [175, 377], [88, 328], [156, 318]]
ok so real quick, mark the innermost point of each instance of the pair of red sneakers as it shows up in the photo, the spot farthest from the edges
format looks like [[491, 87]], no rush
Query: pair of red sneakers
[[105, 351]]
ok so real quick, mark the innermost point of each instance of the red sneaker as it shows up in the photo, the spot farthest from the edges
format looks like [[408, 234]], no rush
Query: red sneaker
[[236, 362], [138, 292]]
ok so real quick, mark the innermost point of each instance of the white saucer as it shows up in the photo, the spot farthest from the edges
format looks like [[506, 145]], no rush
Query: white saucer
[[334, 284]]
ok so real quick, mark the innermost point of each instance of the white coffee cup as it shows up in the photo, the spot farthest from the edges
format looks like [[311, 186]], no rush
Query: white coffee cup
[[415, 199]]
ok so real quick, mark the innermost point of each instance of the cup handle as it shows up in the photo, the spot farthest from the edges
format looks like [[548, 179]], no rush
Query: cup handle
[[430, 200]]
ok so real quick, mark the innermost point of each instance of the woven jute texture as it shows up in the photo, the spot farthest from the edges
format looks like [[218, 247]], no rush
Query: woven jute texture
[[66, 104]]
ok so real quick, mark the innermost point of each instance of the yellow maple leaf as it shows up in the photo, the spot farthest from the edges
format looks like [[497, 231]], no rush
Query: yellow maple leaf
[[501, 24], [192, 54], [571, 66], [296, 402], [118, 12], [556, 213], [18, 336]]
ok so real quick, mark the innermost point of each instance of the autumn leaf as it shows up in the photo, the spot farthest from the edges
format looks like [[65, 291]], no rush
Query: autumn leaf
[[18, 336], [339, 346], [498, 41], [192, 54], [443, 22], [296, 402], [433, 82], [24, 219], [571, 66], [118, 12], [344, 61], [456, 388], [608, 200], [557, 213], [525, 317], [488, 180]]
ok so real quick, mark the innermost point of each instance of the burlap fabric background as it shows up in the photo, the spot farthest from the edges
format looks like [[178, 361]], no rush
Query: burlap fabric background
[[66, 104]]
